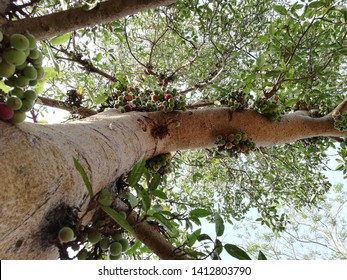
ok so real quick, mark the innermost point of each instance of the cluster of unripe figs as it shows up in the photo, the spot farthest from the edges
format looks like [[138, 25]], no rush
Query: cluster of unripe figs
[[269, 108], [113, 245], [340, 120], [20, 68], [160, 164], [149, 101], [235, 143]]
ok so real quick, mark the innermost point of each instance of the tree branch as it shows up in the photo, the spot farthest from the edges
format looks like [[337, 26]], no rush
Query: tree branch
[[82, 111], [45, 27]]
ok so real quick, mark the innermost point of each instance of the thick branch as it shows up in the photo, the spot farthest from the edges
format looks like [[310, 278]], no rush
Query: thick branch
[[37, 171], [155, 241], [62, 22]]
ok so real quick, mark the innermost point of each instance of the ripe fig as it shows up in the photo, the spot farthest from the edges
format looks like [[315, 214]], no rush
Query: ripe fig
[[66, 234], [168, 96], [6, 112], [128, 107]]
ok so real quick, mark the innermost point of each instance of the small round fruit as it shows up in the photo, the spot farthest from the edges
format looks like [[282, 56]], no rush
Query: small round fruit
[[104, 243], [125, 244], [21, 81], [27, 105], [6, 69], [40, 73], [118, 257], [115, 249], [34, 54], [168, 96], [17, 92], [30, 95], [94, 237], [66, 234], [33, 83], [117, 236], [128, 108], [19, 42], [14, 103], [82, 255], [32, 41], [30, 72], [22, 66], [6, 112], [18, 117], [13, 56]]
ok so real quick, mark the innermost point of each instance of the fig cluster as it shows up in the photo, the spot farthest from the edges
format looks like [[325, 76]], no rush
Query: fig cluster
[[160, 164], [20, 68], [235, 143], [113, 245], [269, 108], [147, 100], [340, 120]]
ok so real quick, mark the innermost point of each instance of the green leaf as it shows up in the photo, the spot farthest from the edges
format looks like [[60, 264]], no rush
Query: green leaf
[[193, 237], [133, 248], [61, 39], [200, 213], [155, 182], [145, 199], [291, 102], [118, 218], [52, 57], [164, 221], [236, 252], [204, 236], [316, 4], [219, 224], [84, 176], [160, 194], [261, 256], [137, 171], [280, 9]]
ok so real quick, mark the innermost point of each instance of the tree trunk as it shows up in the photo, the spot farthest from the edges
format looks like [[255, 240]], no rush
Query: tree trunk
[[37, 171], [66, 21]]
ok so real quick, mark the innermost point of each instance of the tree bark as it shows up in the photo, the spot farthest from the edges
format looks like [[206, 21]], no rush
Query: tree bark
[[45, 27], [37, 171]]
